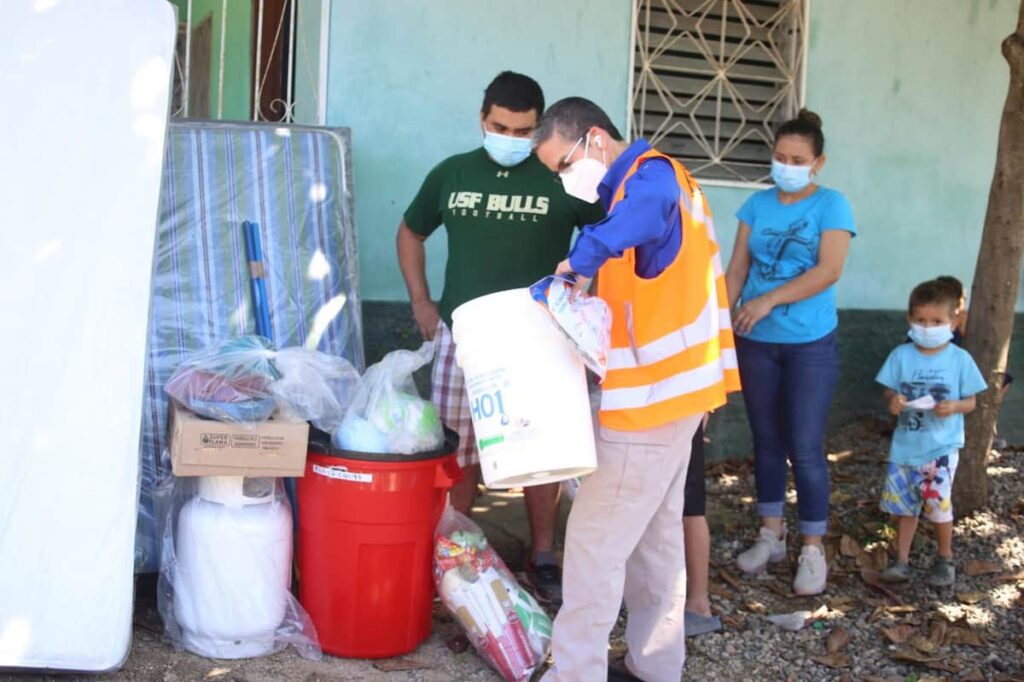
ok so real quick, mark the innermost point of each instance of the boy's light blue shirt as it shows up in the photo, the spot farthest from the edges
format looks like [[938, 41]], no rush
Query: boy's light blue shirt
[[950, 374], [784, 243]]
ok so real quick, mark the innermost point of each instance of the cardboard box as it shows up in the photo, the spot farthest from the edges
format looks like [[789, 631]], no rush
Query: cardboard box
[[204, 447]]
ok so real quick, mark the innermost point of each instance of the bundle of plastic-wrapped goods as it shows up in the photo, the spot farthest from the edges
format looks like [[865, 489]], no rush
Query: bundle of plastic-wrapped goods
[[505, 624]]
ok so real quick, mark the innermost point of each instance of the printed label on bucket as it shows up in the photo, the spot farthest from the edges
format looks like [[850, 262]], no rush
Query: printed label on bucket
[[492, 404], [342, 474]]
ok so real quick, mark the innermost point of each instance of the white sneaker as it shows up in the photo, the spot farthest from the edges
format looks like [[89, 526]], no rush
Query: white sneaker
[[812, 572], [767, 548]]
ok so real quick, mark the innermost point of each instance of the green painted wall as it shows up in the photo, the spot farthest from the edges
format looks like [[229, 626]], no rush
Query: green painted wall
[[408, 77], [236, 41], [911, 93]]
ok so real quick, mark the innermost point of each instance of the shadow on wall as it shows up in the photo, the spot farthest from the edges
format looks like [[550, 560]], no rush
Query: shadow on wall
[[865, 339]]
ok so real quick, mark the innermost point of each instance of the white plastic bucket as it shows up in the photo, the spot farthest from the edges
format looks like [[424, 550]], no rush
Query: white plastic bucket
[[527, 391]]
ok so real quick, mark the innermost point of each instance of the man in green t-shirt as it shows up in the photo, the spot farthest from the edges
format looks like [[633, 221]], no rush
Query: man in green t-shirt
[[509, 223]]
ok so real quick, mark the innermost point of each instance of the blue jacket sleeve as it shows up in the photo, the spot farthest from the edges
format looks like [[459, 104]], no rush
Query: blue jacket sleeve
[[644, 215]]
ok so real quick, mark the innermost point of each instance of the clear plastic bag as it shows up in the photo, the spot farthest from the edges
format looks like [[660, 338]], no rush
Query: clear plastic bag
[[225, 571], [586, 321], [228, 381], [314, 386], [388, 415], [505, 624]]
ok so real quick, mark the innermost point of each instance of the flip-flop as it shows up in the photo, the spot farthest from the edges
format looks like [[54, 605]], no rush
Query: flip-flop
[[696, 624]]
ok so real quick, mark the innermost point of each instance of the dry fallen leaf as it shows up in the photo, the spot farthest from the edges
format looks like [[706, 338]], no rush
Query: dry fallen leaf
[[901, 608], [873, 579], [973, 675], [880, 558], [898, 634], [912, 656], [841, 603], [217, 672], [963, 634], [833, 660], [401, 664], [946, 666], [719, 590], [1009, 577], [731, 579], [971, 598], [923, 644], [977, 567], [756, 607], [837, 640], [849, 547]]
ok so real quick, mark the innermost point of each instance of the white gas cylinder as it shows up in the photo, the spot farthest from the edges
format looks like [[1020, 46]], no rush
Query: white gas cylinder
[[234, 554]]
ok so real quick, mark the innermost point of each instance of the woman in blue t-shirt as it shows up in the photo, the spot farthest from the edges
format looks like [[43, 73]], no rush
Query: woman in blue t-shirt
[[789, 254]]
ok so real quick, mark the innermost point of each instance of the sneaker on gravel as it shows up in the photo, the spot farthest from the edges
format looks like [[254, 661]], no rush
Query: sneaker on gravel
[[897, 572], [812, 572], [767, 548], [943, 573]]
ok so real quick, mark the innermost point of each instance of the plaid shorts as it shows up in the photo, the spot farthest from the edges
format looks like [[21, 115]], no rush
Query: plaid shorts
[[908, 489], [449, 395]]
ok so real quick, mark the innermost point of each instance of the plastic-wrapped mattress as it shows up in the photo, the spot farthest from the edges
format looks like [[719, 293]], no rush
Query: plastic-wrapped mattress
[[295, 183], [82, 145]]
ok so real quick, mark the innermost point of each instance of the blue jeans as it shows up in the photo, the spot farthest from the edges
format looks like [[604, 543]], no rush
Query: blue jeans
[[787, 388]]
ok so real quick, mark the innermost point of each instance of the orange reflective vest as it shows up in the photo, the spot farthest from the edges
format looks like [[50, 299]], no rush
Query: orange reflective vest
[[673, 352]]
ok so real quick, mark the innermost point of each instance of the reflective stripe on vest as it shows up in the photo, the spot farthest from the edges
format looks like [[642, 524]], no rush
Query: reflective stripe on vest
[[673, 352]]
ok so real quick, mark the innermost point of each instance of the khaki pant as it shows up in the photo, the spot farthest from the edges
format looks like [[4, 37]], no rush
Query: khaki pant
[[625, 538]]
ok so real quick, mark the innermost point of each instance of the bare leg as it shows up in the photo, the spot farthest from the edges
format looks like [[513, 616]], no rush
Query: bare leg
[[697, 539], [774, 523], [905, 536], [944, 536], [542, 513], [812, 540], [463, 494]]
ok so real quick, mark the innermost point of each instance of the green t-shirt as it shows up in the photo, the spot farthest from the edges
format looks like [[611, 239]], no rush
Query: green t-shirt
[[507, 227]]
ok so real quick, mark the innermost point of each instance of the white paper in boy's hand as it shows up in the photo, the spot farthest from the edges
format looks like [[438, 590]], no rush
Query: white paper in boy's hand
[[925, 402]]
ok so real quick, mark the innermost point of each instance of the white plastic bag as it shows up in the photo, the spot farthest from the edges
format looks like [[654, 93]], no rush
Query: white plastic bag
[[225, 571], [586, 322], [387, 414], [504, 623], [314, 386]]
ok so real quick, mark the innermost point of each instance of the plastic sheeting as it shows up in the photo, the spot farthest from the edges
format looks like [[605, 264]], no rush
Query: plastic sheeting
[[295, 183], [226, 568], [81, 167]]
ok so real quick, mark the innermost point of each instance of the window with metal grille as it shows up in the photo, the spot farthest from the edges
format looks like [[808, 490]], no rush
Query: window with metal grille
[[713, 78]]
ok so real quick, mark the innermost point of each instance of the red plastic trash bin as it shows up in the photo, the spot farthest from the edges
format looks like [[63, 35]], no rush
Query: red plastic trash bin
[[366, 540]]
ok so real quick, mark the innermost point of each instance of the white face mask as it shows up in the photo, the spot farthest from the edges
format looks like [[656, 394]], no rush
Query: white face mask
[[582, 177], [930, 337]]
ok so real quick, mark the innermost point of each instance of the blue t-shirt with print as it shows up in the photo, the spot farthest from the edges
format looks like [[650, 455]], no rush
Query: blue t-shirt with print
[[950, 374], [784, 241]]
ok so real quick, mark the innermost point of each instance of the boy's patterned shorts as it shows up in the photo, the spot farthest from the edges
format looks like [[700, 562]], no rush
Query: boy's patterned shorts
[[908, 489]]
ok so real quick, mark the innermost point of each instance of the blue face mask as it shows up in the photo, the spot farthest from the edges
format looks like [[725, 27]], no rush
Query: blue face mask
[[930, 337], [506, 150], [790, 178]]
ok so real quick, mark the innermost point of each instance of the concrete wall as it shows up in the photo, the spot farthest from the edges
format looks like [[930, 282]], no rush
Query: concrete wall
[[910, 92], [408, 77], [235, 101]]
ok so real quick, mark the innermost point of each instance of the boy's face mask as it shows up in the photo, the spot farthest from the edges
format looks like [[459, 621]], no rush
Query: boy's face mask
[[930, 337]]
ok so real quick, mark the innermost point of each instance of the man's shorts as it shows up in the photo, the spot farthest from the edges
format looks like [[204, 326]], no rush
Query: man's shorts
[[449, 395], [909, 489], [694, 501]]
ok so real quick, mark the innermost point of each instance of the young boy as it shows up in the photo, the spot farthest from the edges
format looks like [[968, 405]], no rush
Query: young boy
[[930, 384]]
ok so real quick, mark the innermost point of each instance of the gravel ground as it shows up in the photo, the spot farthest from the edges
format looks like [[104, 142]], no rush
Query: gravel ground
[[855, 631], [861, 629]]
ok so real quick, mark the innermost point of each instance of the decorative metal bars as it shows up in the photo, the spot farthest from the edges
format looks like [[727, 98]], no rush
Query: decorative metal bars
[[712, 78]]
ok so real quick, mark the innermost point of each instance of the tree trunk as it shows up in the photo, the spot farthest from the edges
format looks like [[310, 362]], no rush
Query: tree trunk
[[996, 281]]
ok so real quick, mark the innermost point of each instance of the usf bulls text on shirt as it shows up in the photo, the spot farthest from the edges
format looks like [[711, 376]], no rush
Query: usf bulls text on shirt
[[507, 227]]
